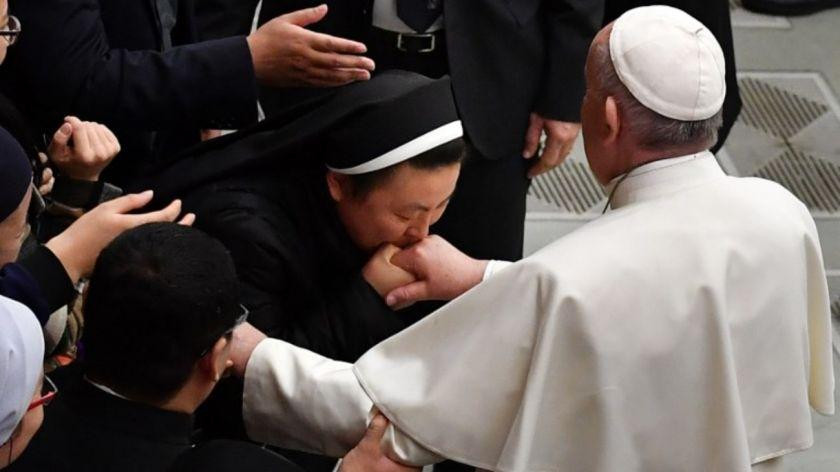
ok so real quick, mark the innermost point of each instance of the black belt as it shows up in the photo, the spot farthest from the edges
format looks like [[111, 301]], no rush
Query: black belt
[[416, 43]]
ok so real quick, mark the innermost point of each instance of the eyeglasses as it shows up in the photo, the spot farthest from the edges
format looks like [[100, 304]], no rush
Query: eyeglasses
[[239, 320], [11, 30], [48, 392]]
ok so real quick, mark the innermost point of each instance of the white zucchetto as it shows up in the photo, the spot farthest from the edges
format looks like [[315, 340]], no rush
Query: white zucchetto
[[21, 363], [669, 61]]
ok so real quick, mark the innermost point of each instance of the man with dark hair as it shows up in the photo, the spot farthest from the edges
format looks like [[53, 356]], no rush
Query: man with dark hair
[[159, 313]]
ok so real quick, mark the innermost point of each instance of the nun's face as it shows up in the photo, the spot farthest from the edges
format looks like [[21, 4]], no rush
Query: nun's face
[[400, 210], [13, 230]]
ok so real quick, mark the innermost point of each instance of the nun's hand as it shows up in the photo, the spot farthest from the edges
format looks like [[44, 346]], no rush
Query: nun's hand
[[79, 245], [384, 276], [368, 455], [82, 149], [443, 272], [286, 54]]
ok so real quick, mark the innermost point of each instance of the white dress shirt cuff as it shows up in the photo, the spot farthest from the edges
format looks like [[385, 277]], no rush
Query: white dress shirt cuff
[[494, 267]]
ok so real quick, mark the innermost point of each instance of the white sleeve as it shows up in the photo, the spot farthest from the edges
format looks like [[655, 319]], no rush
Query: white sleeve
[[297, 399], [493, 267]]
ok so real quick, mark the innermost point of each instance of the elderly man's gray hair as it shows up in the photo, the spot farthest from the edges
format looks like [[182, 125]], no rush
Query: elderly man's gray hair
[[651, 129]]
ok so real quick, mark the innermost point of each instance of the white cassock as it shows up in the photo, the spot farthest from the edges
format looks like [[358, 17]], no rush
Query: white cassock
[[686, 330]]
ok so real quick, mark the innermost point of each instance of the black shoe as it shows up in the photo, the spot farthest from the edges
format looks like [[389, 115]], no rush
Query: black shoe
[[789, 7]]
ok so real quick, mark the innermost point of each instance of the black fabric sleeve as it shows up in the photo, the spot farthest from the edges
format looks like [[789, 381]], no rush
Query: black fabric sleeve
[[38, 281], [570, 27], [341, 321], [65, 55]]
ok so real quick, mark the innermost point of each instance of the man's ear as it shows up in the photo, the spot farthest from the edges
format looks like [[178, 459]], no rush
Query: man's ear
[[214, 364], [337, 183], [612, 119]]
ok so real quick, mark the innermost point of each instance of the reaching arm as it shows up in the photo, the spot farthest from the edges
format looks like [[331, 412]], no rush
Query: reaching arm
[[297, 399], [66, 56]]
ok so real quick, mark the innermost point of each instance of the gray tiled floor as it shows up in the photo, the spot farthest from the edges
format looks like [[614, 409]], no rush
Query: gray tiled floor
[[796, 60]]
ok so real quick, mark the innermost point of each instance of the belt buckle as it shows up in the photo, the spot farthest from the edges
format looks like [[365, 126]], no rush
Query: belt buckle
[[429, 36]]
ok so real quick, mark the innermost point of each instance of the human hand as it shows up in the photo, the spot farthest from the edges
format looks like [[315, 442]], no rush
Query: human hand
[[245, 340], [382, 275], [47, 177], [208, 134], [92, 148], [286, 54], [79, 245], [443, 272], [368, 456], [559, 139]]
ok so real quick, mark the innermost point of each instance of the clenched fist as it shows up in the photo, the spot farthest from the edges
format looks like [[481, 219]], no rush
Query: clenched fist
[[82, 149]]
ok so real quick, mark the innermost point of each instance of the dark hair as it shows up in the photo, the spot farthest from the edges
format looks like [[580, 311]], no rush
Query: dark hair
[[159, 296], [441, 156]]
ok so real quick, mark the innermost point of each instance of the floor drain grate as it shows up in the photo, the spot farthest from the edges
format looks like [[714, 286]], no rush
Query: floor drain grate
[[775, 111], [814, 181], [570, 187]]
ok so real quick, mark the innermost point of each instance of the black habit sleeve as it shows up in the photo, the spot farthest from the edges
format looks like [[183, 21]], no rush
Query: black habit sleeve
[[283, 284], [38, 281], [65, 55]]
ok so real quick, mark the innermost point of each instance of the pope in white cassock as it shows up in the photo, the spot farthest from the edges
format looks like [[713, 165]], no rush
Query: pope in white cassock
[[687, 329]]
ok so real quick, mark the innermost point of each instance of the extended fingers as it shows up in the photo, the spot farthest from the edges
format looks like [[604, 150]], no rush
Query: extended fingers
[[408, 294], [168, 214], [306, 16], [327, 43], [532, 136], [331, 60], [129, 202], [551, 156], [335, 77]]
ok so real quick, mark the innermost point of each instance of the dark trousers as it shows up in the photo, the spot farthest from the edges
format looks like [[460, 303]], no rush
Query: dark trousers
[[486, 217]]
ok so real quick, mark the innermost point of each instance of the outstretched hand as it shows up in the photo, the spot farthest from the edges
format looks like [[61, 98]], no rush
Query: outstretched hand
[[442, 271], [368, 456], [79, 245], [286, 54]]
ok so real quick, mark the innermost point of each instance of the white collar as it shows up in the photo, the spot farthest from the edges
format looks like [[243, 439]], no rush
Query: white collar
[[663, 177], [105, 389]]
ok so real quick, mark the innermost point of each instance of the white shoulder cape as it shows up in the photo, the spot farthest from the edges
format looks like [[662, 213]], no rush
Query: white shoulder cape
[[686, 330]]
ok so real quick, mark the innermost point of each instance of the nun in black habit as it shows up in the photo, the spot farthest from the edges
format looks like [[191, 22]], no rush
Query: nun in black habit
[[304, 203]]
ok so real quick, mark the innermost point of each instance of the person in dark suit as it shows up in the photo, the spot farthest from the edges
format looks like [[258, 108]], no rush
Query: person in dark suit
[[135, 66], [517, 71], [715, 16]]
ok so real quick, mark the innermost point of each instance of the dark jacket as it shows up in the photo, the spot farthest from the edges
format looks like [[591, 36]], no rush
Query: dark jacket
[[39, 281], [300, 272], [103, 60], [86, 429], [507, 58]]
